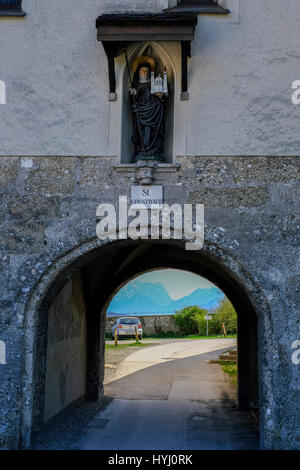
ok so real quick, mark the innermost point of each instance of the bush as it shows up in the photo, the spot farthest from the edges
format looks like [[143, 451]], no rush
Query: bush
[[190, 320]]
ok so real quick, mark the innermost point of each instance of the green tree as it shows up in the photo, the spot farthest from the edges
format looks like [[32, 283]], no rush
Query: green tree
[[191, 320], [201, 322], [226, 314]]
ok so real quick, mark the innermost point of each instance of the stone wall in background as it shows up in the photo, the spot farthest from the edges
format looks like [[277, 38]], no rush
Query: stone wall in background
[[152, 324]]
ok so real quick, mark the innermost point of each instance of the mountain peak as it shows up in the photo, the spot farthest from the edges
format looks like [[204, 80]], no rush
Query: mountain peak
[[138, 297]]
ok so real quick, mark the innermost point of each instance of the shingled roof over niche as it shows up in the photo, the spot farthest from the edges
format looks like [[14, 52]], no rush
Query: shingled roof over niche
[[131, 27], [11, 8]]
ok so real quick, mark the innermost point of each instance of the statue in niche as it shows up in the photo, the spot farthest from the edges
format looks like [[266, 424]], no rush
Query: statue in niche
[[148, 99]]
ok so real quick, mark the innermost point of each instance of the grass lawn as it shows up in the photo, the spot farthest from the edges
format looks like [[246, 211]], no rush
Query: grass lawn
[[127, 345], [189, 337], [230, 368]]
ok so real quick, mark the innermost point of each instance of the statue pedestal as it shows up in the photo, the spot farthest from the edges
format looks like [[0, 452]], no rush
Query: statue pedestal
[[145, 170]]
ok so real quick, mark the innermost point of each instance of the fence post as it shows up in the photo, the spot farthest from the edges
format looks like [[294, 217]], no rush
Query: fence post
[[116, 337], [136, 335]]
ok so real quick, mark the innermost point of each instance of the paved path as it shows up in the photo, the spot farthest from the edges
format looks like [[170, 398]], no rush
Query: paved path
[[171, 397], [167, 360]]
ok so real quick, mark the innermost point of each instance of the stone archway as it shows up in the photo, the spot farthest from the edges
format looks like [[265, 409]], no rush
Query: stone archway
[[105, 267]]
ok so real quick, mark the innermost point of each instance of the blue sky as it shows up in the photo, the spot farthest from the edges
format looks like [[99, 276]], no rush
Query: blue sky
[[177, 283]]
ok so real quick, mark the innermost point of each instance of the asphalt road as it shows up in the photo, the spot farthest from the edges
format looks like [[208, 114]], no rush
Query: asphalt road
[[170, 397]]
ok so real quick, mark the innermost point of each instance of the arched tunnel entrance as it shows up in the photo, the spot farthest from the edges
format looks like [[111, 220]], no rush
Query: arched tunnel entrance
[[77, 300]]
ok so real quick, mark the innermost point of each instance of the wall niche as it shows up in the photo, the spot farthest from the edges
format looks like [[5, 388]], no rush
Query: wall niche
[[162, 59], [120, 126]]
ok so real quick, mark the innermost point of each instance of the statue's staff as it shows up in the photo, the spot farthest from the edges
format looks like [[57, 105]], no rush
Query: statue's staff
[[134, 100]]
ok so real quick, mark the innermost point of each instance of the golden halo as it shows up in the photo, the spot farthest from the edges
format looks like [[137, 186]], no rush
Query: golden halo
[[142, 60]]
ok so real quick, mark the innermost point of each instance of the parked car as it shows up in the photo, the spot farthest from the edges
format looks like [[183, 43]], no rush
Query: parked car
[[125, 327]]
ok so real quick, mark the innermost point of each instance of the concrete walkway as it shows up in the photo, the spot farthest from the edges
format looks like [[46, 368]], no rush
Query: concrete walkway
[[178, 370], [171, 397]]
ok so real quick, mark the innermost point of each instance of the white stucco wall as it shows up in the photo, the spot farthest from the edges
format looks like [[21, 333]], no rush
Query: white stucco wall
[[241, 73]]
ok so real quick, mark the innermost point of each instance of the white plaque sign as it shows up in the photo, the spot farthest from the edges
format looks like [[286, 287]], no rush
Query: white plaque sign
[[146, 197], [207, 317]]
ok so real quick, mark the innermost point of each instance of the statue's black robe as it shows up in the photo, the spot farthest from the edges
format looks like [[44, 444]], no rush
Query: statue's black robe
[[148, 124]]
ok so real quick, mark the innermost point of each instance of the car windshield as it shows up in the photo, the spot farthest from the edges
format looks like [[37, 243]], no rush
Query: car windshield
[[129, 321]]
